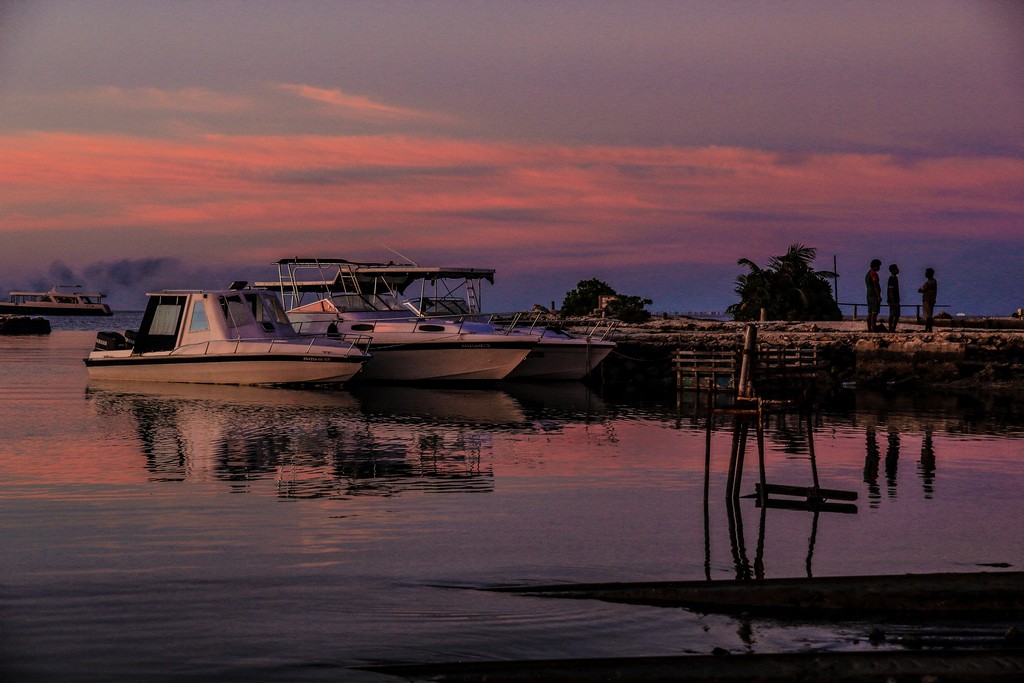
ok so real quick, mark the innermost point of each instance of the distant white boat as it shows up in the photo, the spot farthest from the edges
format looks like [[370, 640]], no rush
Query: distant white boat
[[60, 300], [237, 336]]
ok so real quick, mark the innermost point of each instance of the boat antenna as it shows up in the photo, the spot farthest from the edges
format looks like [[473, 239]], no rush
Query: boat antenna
[[402, 256]]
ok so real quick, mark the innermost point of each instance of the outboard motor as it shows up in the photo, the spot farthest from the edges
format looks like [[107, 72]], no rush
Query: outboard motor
[[110, 341]]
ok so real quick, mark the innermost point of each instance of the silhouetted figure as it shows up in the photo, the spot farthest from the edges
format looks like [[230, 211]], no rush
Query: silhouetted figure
[[929, 292], [892, 296], [874, 294]]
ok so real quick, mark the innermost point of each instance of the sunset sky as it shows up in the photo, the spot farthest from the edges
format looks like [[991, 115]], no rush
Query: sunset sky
[[146, 145]]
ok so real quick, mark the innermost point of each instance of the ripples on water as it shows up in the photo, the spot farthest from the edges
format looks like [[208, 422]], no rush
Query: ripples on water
[[169, 532]]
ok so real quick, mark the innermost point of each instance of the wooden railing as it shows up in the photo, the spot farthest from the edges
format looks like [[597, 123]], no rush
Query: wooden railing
[[704, 370]]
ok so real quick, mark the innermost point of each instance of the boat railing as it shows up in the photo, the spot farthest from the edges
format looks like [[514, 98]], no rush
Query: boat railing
[[452, 324], [511, 323], [360, 342]]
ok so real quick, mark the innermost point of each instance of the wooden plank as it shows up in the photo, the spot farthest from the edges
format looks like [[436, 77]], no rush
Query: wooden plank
[[810, 505], [808, 492]]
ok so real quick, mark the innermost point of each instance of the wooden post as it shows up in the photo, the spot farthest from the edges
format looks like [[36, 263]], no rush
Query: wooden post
[[763, 497], [730, 480], [746, 365]]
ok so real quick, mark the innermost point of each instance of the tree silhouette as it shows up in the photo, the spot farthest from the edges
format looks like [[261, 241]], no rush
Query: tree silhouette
[[584, 299], [787, 289]]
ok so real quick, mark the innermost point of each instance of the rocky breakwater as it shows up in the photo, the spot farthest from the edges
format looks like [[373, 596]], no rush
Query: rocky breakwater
[[960, 358], [23, 324]]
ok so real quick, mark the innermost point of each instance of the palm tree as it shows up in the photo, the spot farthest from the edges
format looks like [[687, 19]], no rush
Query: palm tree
[[788, 289]]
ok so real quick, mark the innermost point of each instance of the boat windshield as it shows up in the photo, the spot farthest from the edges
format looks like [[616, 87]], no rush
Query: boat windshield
[[267, 308], [237, 312], [428, 306], [365, 302]]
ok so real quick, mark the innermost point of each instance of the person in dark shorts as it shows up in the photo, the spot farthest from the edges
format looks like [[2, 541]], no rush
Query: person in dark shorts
[[874, 294], [929, 292], [892, 296]]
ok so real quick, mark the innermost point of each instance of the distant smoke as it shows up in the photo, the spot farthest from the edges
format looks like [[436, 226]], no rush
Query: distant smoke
[[127, 281], [130, 272], [61, 274]]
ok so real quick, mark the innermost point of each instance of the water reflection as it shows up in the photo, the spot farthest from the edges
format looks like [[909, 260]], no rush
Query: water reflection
[[926, 466], [377, 441], [789, 435], [892, 460], [310, 444], [871, 463]]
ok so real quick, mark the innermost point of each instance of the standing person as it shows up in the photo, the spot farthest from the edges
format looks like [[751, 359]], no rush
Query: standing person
[[874, 294], [929, 292], [892, 296]]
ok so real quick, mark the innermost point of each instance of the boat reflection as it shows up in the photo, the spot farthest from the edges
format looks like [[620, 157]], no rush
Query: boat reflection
[[372, 440], [881, 429], [310, 444], [558, 402], [450, 407]]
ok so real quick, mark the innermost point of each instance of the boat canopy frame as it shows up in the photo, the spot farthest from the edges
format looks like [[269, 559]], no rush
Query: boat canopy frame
[[326, 277]]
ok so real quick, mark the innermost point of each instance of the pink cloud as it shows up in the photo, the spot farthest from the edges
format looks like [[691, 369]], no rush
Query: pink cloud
[[632, 204], [114, 99], [357, 106]]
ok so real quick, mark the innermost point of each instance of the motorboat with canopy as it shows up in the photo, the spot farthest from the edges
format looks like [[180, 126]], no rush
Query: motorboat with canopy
[[426, 322], [411, 341]]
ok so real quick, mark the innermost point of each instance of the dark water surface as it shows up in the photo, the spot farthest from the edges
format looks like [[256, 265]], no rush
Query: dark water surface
[[184, 532]]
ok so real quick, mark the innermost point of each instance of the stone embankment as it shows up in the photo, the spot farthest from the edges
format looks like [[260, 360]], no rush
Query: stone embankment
[[955, 357]]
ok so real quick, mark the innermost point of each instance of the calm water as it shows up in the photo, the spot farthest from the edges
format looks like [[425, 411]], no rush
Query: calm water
[[223, 533]]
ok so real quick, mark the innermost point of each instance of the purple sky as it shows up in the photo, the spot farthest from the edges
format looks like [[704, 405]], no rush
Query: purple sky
[[649, 144]]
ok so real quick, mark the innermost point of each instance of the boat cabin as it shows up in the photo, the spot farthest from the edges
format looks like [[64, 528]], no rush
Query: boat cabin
[[180, 318]]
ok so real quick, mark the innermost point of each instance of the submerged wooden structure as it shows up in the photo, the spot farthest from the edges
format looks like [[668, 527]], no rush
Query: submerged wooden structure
[[750, 387], [762, 380], [996, 665], [966, 595]]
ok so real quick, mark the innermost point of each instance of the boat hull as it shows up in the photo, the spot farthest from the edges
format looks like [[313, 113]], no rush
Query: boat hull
[[562, 360], [467, 361], [226, 370], [415, 350], [268, 367]]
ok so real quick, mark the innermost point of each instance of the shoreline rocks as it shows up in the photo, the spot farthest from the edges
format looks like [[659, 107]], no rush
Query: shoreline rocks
[[989, 357], [23, 324]]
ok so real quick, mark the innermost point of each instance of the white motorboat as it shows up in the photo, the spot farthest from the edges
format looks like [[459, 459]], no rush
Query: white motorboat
[[380, 300], [409, 343], [560, 356], [60, 300], [236, 336], [412, 348]]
